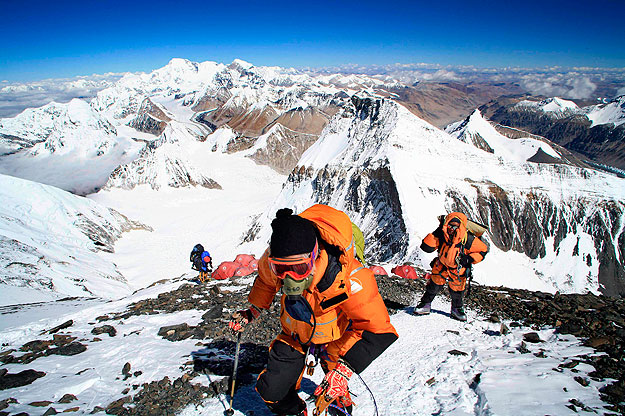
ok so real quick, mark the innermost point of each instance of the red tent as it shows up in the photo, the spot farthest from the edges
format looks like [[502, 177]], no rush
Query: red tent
[[378, 270], [225, 270], [253, 264], [243, 271], [406, 271], [244, 259]]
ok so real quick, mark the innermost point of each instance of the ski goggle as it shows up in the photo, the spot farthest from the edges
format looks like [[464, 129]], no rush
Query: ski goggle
[[297, 269], [453, 226]]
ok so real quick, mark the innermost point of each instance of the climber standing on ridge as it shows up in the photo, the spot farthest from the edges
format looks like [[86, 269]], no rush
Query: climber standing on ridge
[[201, 261], [330, 309], [458, 249]]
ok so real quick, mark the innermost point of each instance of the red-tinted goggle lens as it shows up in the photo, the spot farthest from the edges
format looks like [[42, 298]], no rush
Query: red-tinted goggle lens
[[296, 270]]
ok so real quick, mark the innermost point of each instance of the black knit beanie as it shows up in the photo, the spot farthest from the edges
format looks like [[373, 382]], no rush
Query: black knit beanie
[[292, 234]]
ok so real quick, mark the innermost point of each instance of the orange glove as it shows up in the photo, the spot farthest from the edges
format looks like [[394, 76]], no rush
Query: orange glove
[[243, 317], [334, 384]]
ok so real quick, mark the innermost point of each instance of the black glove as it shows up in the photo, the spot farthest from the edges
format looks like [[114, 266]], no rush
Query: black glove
[[466, 260]]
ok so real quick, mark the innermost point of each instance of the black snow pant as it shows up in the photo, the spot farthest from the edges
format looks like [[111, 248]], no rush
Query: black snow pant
[[432, 289], [279, 382]]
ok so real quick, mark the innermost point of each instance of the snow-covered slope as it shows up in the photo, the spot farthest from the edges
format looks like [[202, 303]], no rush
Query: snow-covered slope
[[479, 132], [552, 227], [50, 242], [69, 146], [554, 107], [170, 160], [610, 113]]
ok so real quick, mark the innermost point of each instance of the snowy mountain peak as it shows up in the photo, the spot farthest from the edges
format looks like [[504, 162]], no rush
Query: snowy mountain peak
[[478, 131], [181, 63], [556, 107], [241, 64], [61, 127], [610, 113]]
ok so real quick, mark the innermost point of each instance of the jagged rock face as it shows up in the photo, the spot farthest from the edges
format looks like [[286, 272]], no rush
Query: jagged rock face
[[150, 118], [369, 197], [283, 148], [528, 224], [603, 143]]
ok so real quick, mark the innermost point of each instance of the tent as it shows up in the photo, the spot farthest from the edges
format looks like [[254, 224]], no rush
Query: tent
[[244, 271], [225, 270], [406, 271], [244, 259], [243, 265], [378, 270]]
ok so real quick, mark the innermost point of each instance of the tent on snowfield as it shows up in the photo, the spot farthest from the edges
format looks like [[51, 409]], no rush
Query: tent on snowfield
[[244, 271], [406, 271], [225, 270], [378, 270], [244, 259]]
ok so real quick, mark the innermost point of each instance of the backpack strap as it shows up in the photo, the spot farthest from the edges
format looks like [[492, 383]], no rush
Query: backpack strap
[[469, 242]]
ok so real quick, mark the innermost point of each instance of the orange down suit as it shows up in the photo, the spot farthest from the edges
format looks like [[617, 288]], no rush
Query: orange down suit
[[348, 310], [446, 266]]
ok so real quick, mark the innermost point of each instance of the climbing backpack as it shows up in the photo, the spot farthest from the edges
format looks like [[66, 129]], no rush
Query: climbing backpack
[[196, 257]]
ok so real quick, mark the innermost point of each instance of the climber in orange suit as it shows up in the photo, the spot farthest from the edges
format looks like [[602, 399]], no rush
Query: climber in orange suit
[[458, 249], [330, 309]]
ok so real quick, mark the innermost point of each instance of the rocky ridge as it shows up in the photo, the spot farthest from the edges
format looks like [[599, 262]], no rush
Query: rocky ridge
[[600, 321]]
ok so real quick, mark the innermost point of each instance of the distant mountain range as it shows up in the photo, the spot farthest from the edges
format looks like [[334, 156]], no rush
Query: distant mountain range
[[595, 132], [359, 143]]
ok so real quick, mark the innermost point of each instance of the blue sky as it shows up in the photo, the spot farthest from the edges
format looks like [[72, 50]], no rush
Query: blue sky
[[52, 39]]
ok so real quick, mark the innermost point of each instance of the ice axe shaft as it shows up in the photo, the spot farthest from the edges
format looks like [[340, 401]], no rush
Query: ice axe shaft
[[230, 412]]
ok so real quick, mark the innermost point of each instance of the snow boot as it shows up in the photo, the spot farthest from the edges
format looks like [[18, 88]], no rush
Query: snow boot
[[458, 314], [422, 308]]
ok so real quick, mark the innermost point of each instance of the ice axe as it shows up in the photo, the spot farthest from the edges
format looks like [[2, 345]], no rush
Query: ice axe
[[230, 412]]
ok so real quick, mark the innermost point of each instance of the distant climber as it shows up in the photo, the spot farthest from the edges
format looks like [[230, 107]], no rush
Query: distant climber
[[201, 261], [458, 249], [330, 309]]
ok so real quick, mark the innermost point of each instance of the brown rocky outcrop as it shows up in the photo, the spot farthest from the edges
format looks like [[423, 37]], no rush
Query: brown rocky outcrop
[[150, 118]]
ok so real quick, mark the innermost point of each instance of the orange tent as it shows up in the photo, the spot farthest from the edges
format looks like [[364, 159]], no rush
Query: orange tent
[[406, 271]]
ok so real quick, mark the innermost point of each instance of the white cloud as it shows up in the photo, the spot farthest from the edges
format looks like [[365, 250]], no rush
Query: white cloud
[[583, 87], [541, 85], [442, 75], [15, 97]]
